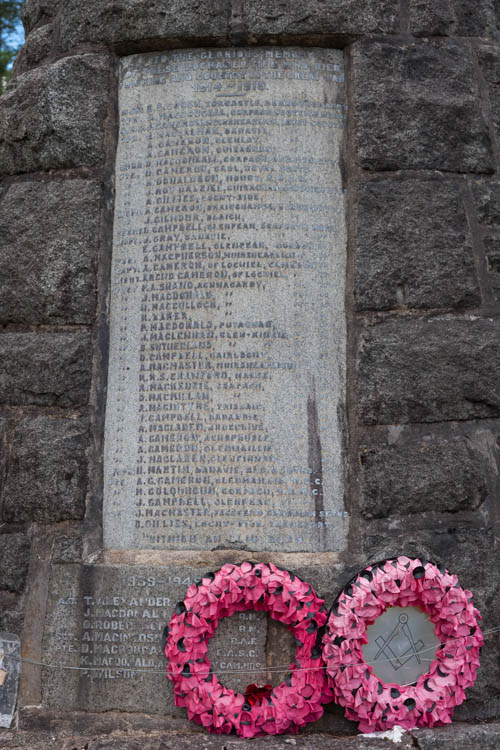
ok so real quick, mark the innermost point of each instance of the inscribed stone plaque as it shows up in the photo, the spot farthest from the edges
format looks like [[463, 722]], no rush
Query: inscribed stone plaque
[[106, 624], [227, 351]]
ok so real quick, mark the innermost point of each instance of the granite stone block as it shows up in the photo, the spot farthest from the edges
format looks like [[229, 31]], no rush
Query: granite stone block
[[3, 456], [34, 11], [131, 20], [309, 741], [455, 18], [492, 245], [67, 549], [495, 108], [417, 106], [46, 476], [45, 369], [474, 19], [487, 202], [14, 561], [48, 249], [52, 117], [429, 370], [11, 613], [413, 247], [486, 737], [37, 47], [458, 736], [419, 472], [489, 60], [292, 17]]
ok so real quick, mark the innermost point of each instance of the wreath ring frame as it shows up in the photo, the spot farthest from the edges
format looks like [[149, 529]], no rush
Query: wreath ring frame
[[429, 701], [238, 588]]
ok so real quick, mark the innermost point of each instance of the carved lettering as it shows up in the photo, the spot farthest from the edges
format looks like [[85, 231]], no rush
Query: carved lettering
[[226, 378]]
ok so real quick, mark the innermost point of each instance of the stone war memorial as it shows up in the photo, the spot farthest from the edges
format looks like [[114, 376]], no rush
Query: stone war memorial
[[250, 316]]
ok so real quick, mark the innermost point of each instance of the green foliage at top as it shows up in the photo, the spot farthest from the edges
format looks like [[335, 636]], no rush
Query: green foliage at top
[[10, 14]]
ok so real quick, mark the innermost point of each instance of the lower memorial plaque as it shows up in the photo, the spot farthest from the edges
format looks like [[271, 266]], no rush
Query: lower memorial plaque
[[107, 622], [103, 635], [227, 350]]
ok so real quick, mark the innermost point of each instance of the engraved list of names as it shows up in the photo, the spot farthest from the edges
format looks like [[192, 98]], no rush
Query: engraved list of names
[[227, 345]]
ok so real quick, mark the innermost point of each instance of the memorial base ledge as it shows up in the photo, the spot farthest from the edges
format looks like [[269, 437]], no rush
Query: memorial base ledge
[[215, 558], [90, 732]]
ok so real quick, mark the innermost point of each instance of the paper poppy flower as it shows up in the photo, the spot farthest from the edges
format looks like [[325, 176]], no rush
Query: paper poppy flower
[[238, 588], [256, 694], [453, 658]]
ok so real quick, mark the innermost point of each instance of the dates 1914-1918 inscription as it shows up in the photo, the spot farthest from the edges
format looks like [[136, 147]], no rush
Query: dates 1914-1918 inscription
[[226, 376]]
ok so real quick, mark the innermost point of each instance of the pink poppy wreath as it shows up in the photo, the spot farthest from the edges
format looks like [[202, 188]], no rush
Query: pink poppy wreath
[[237, 588], [429, 701]]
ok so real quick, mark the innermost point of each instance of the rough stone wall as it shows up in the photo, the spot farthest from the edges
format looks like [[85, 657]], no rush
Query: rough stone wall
[[423, 301]]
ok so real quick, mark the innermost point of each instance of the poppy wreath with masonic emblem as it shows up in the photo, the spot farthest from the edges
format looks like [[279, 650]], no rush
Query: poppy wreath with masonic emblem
[[452, 659], [238, 588]]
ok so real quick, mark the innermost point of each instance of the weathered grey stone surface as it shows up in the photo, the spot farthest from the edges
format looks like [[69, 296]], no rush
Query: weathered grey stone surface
[[117, 626], [67, 549], [11, 612], [487, 199], [459, 737], [38, 45], [495, 108], [417, 107], [46, 476], [492, 245], [46, 369], [489, 60], [264, 18], [170, 740], [227, 323], [456, 18], [110, 619], [132, 20], [49, 233], [34, 11], [425, 472], [413, 246], [240, 644], [3, 454], [103, 724], [429, 370], [262, 743], [14, 561], [94, 608], [53, 117]]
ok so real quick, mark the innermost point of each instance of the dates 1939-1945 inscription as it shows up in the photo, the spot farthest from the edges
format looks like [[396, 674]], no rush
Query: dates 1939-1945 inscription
[[226, 377], [106, 623]]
